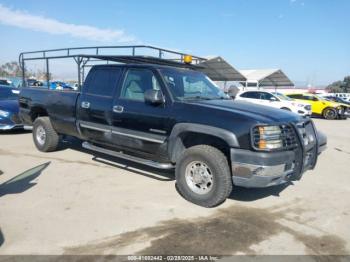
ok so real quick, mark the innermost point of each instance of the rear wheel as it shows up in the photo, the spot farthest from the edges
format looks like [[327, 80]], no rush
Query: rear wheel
[[45, 137], [203, 176], [330, 113]]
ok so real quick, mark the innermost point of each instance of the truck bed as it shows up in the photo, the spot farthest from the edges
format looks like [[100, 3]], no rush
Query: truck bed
[[60, 106]]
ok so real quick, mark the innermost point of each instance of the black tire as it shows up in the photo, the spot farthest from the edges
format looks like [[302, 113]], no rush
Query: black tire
[[51, 140], [216, 161], [330, 113]]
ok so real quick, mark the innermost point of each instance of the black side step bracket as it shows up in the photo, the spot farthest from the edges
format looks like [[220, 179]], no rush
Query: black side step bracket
[[146, 162]]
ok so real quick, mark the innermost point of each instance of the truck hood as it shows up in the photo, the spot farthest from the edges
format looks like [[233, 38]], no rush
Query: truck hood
[[260, 113], [9, 105]]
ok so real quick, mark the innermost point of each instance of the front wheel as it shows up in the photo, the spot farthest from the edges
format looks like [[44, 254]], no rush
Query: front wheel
[[203, 176], [45, 137], [330, 113]]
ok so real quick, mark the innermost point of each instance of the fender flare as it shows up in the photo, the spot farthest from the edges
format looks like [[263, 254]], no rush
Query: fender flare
[[175, 146]]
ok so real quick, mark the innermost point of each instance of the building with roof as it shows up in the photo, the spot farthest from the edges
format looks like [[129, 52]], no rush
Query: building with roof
[[217, 69], [258, 78]]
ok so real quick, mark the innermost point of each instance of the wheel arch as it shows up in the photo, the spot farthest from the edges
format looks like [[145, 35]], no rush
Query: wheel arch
[[328, 107], [37, 111], [185, 135]]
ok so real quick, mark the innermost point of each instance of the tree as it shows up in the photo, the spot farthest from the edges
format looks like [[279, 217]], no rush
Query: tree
[[347, 84], [13, 69], [340, 86], [10, 69]]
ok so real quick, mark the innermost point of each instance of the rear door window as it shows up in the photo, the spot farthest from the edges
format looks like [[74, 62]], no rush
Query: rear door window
[[103, 81]]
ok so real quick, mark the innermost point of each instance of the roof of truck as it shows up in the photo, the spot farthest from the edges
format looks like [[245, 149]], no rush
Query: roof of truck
[[141, 65]]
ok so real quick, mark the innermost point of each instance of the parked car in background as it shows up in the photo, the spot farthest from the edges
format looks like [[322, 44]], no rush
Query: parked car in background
[[344, 96], [336, 99], [322, 107], [59, 85], [5, 82], [276, 100], [32, 82], [9, 108], [35, 83]]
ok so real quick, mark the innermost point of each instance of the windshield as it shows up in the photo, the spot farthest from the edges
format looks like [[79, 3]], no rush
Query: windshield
[[319, 97], [8, 93], [187, 85], [283, 97]]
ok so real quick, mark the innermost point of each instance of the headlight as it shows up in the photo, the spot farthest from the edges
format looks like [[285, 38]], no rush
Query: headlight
[[267, 137], [4, 113], [297, 105]]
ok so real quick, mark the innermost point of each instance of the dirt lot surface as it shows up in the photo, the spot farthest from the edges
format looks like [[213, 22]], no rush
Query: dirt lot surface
[[69, 202]]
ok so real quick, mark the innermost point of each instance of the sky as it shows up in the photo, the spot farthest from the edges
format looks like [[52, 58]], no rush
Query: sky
[[308, 39]]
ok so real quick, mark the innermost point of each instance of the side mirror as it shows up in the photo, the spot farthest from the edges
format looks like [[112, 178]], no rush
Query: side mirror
[[154, 97], [273, 99]]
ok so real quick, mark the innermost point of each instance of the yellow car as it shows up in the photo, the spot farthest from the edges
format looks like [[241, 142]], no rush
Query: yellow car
[[322, 107]]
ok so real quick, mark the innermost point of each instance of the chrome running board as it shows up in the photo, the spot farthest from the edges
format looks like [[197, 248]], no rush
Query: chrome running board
[[135, 159]]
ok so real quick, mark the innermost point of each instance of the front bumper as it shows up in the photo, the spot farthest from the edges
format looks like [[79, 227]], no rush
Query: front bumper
[[10, 123], [10, 127], [303, 112], [343, 113], [256, 169], [263, 169]]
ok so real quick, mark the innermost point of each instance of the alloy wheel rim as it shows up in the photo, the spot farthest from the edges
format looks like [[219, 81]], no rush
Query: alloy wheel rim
[[199, 177], [330, 114], [40, 135]]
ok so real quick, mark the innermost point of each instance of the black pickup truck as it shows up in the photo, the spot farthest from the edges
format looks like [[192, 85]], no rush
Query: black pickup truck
[[169, 117]]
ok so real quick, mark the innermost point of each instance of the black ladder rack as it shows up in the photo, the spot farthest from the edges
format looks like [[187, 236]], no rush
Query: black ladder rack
[[85, 56]]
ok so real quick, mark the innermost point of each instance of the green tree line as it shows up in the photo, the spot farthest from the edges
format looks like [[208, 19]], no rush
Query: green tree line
[[10, 69], [13, 69], [340, 86]]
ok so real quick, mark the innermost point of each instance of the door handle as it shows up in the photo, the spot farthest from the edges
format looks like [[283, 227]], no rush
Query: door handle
[[118, 109], [85, 104]]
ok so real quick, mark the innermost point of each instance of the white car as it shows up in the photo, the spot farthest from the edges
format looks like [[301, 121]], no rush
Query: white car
[[276, 100]]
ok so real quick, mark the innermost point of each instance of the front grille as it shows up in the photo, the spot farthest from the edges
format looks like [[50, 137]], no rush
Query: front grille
[[289, 137], [308, 107]]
